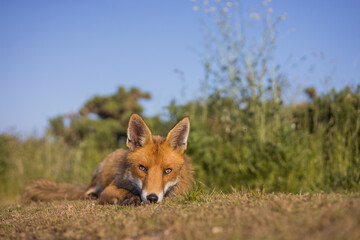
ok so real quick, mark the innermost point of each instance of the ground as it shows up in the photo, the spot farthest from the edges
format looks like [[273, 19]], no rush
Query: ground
[[240, 215]]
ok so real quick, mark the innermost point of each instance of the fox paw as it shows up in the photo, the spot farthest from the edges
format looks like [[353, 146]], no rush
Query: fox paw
[[123, 199], [131, 200], [109, 200], [91, 196], [108, 197]]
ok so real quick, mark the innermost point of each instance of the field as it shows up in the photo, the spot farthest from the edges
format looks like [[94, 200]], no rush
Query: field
[[239, 215], [255, 124]]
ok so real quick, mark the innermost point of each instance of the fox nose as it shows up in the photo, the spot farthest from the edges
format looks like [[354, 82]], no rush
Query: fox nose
[[152, 198]]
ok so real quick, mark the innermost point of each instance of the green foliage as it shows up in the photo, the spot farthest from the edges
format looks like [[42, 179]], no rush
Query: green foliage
[[116, 106], [195, 195], [108, 128], [5, 151], [315, 146], [242, 135], [46, 157]]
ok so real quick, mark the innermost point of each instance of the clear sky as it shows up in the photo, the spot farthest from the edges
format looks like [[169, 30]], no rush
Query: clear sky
[[54, 55]]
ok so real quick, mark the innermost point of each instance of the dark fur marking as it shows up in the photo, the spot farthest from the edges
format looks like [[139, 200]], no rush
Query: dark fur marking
[[128, 185]]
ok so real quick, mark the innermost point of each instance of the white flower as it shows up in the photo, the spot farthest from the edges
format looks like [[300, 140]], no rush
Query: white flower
[[270, 10], [195, 8], [255, 16], [229, 4], [265, 2]]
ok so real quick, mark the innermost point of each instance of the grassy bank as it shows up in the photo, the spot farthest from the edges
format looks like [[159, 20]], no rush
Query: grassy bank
[[242, 215]]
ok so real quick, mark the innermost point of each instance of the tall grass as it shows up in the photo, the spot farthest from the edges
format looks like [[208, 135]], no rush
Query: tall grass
[[315, 146], [242, 134], [22, 161]]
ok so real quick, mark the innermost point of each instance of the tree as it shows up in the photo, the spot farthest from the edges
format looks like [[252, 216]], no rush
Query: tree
[[102, 120]]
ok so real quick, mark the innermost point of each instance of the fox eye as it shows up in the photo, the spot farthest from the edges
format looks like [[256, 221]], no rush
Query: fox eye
[[167, 171], [142, 168]]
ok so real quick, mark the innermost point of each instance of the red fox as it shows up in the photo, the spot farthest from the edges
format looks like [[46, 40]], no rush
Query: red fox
[[154, 167]]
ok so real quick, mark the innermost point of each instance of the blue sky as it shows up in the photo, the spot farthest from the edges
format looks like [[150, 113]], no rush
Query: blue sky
[[54, 55]]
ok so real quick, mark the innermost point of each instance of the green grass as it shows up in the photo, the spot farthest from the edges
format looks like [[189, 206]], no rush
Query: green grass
[[241, 215]]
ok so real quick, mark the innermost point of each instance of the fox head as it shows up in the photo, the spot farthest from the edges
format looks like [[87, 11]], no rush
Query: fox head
[[155, 162]]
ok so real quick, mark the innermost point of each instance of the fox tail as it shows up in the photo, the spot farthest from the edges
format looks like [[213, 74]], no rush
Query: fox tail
[[45, 190]]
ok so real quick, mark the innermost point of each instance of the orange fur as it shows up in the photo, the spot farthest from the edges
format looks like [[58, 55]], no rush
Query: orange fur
[[153, 168]]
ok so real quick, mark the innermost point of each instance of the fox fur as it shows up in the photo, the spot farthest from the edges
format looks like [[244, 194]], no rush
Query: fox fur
[[152, 168]]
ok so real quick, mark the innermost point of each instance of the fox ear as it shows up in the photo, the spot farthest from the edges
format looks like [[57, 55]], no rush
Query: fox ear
[[177, 137], [138, 133]]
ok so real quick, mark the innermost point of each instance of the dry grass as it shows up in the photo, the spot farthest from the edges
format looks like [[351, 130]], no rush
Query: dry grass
[[245, 215]]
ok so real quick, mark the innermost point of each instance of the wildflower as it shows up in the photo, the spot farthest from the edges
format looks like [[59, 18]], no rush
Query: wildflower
[[255, 16], [265, 2]]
